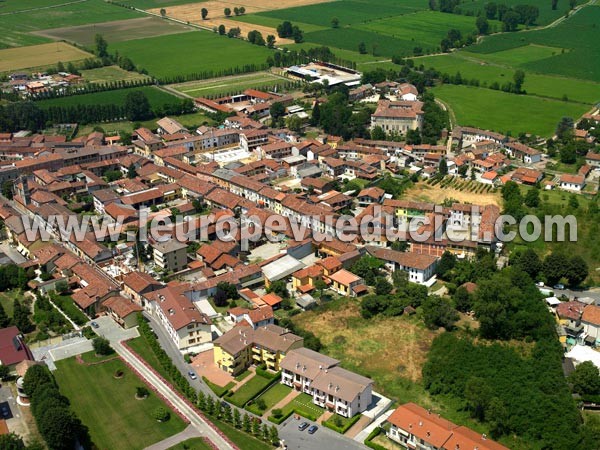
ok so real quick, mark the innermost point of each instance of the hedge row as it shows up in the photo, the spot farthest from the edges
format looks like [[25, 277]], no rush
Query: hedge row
[[372, 436], [345, 427], [218, 390], [181, 383]]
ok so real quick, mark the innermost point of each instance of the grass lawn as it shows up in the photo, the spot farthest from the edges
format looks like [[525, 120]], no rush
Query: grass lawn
[[68, 306], [107, 406], [341, 424], [7, 299], [241, 439], [249, 390], [192, 52], [274, 395], [303, 405], [504, 112], [140, 346], [218, 390], [242, 375], [110, 73], [156, 97], [227, 85], [192, 444]]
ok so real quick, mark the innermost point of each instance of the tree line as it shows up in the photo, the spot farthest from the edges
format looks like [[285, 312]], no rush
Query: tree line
[[293, 57], [90, 88]]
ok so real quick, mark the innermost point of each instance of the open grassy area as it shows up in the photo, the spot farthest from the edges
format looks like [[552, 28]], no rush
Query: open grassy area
[[68, 306], [110, 73], [107, 406], [302, 404], [225, 85], [240, 439], [156, 97], [271, 397], [192, 444], [7, 300], [148, 4], [140, 346], [390, 350], [185, 53], [12, 59], [17, 28], [546, 16], [249, 390], [503, 112]]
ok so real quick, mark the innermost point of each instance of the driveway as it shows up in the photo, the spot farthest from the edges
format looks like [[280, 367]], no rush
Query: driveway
[[14, 419], [323, 438], [204, 365], [112, 331], [61, 350]]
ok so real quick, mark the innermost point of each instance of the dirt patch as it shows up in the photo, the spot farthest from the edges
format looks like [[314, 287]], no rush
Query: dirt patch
[[39, 56], [437, 194], [390, 347], [117, 31], [191, 13]]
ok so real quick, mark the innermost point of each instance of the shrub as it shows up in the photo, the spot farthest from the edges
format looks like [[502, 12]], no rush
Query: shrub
[[277, 413], [88, 332], [161, 414], [102, 346], [141, 392]]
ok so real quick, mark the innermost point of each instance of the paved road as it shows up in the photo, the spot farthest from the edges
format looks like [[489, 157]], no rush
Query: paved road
[[593, 293], [189, 412], [189, 433]]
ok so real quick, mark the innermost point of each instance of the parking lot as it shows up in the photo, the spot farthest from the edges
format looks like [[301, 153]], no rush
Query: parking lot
[[296, 439]]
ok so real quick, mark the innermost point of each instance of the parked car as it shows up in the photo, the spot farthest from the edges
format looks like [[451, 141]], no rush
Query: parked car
[[313, 429], [5, 411], [224, 404], [192, 375], [303, 426], [540, 284], [95, 325], [559, 286]]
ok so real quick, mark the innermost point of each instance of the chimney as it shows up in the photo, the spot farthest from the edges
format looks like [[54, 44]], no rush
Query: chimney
[[420, 423]]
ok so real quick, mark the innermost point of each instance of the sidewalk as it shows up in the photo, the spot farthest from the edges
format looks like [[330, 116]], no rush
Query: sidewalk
[[171, 441]]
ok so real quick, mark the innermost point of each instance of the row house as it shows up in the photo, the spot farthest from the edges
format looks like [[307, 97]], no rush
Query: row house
[[522, 152], [573, 183], [276, 150], [593, 159], [420, 268], [244, 346], [332, 387], [466, 136]]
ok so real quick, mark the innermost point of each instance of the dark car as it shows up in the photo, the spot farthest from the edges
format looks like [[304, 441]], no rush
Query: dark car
[[5, 411], [303, 426], [559, 286], [313, 429], [224, 404], [192, 375], [95, 325]]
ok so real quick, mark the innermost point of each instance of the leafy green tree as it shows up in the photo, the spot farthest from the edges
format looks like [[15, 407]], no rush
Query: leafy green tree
[[368, 268], [7, 189], [383, 286], [377, 134], [277, 111], [362, 48], [161, 414], [510, 21], [279, 287], [102, 346], [101, 46], [270, 41], [237, 420], [483, 26], [565, 129], [443, 169], [246, 423], [204, 13], [585, 379], [113, 175], [519, 79], [11, 441], [490, 10], [335, 22], [21, 319], [274, 435], [163, 12], [227, 12], [554, 267], [222, 30], [131, 172], [498, 417], [462, 299], [532, 198], [4, 319], [137, 106], [530, 263], [577, 271], [446, 264], [438, 312], [4, 371], [478, 395]]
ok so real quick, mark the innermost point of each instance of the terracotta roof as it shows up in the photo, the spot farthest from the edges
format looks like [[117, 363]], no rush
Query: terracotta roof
[[573, 179], [122, 306], [270, 336], [423, 424], [177, 308], [139, 281], [344, 277], [330, 263], [12, 348], [406, 259], [465, 438], [591, 314], [271, 299]]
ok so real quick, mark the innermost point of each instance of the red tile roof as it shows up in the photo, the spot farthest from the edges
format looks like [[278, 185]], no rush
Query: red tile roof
[[12, 348]]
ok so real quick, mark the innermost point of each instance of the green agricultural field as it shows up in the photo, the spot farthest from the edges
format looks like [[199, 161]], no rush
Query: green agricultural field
[[546, 16], [149, 4], [578, 35], [225, 85], [125, 424], [12, 6], [197, 51], [17, 28], [424, 28], [503, 112], [348, 55], [273, 22], [110, 73], [471, 67], [156, 97], [348, 12]]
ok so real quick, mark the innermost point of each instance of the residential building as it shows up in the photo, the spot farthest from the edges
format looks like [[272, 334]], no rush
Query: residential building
[[573, 183], [398, 117], [13, 349], [590, 319], [137, 284], [244, 346], [171, 255], [420, 267], [415, 427], [123, 310], [186, 326], [346, 283], [336, 389]]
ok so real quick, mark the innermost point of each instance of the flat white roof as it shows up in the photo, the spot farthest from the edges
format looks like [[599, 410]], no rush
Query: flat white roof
[[282, 268], [581, 353]]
